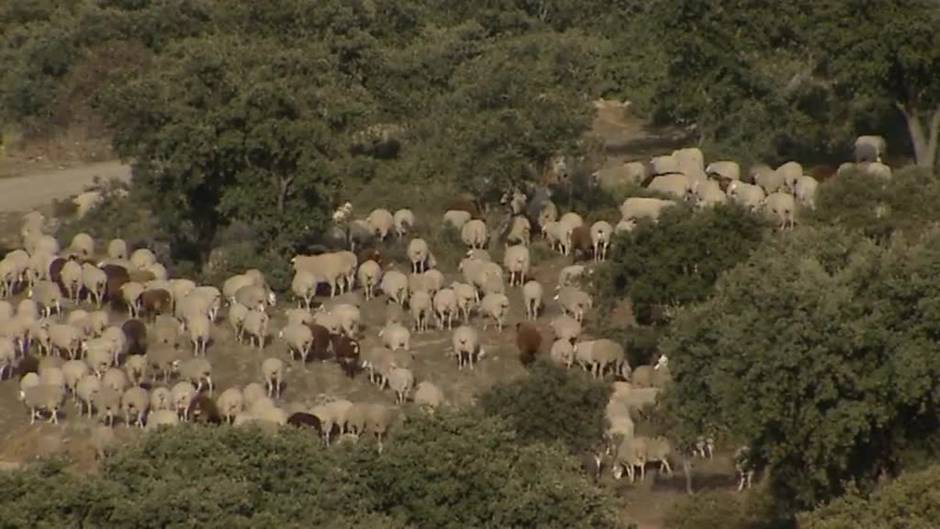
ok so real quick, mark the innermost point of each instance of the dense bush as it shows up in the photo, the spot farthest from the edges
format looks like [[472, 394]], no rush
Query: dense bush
[[912, 501], [678, 260], [724, 509], [455, 470], [904, 205], [819, 351], [552, 404]]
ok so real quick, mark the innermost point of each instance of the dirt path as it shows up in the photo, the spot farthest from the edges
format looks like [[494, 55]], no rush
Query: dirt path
[[37, 189]]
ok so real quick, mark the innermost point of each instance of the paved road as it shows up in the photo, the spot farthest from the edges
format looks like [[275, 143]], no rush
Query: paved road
[[23, 193]]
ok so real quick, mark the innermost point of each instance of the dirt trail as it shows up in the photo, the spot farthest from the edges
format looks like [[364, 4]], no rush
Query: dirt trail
[[38, 189]]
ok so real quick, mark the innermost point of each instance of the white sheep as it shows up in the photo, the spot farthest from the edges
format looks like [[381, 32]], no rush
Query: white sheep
[[574, 301], [181, 396], [532, 294], [418, 253], [159, 418], [566, 328], [200, 332], [130, 294], [562, 352], [421, 310], [304, 286], [230, 403], [495, 306], [804, 189], [107, 402], [782, 207], [117, 249], [401, 381], [332, 414], [516, 260], [394, 284], [103, 439], [134, 402], [598, 355], [71, 275], [163, 359], [396, 336], [369, 275], [86, 390], [709, 194], [66, 339], [678, 186], [236, 318], [115, 379], [728, 170], [466, 346], [73, 371], [457, 218], [299, 340], [142, 258], [474, 233], [467, 298], [255, 325], [381, 221], [520, 231], [428, 396], [601, 232], [349, 317], [255, 297], [334, 268], [404, 221], [136, 369], [48, 295], [43, 397], [636, 208], [272, 371], [197, 371], [161, 399], [83, 245], [750, 196], [445, 307]]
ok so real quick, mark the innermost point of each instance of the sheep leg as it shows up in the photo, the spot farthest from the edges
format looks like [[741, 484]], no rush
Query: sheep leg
[[664, 467]]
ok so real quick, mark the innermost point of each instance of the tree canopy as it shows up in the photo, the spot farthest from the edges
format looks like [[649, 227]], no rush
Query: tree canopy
[[818, 351]]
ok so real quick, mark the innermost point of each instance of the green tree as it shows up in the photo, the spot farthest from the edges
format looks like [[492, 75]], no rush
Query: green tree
[[912, 501], [817, 352], [552, 405], [677, 260]]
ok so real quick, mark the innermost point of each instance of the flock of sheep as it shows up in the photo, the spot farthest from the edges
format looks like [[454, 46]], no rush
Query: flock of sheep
[[152, 368]]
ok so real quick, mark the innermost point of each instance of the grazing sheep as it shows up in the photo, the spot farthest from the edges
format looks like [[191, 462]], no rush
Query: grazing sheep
[[782, 207], [46, 397], [349, 317], [630, 454], [299, 338], [160, 399], [103, 439], [347, 353], [95, 282], [131, 293], [562, 352], [678, 186], [528, 341], [160, 418], [404, 221], [579, 242], [66, 339], [254, 297], [394, 284], [135, 402], [328, 320], [117, 249], [495, 306], [614, 178], [467, 298], [321, 341], [517, 261], [750, 196], [82, 245], [142, 259], [107, 402], [379, 419], [520, 232], [136, 369], [236, 318], [870, 149], [272, 371], [597, 356], [332, 415], [804, 189], [418, 253], [71, 276], [135, 336], [421, 310], [665, 164], [446, 308], [377, 361], [115, 379], [466, 346], [381, 221], [566, 328], [197, 371], [428, 396], [401, 381], [86, 390], [166, 330], [601, 232], [230, 403], [181, 396], [457, 218], [72, 372], [727, 170], [255, 326], [199, 328], [48, 295], [163, 359], [474, 233], [574, 301], [334, 268], [155, 302], [744, 466], [636, 208], [304, 287], [370, 274], [532, 294]]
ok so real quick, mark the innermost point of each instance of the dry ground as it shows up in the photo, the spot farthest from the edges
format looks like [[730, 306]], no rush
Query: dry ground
[[34, 185]]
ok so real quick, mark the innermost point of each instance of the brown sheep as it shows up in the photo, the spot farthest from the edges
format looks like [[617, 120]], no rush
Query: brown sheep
[[528, 341], [156, 301], [581, 243], [136, 333], [117, 276], [464, 203], [202, 409], [306, 420], [55, 272], [347, 354], [321, 342]]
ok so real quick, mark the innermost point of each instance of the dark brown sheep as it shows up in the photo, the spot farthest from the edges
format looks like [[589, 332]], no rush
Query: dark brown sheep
[[136, 333], [155, 301], [320, 349], [528, 341], [346, 351], [202, 409], [581, 243], [55, 271], [117, 277], [368, 254], [306, 420]]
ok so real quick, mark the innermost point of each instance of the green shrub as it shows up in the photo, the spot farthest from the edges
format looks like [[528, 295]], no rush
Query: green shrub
[[723, 509], [552, 404]]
